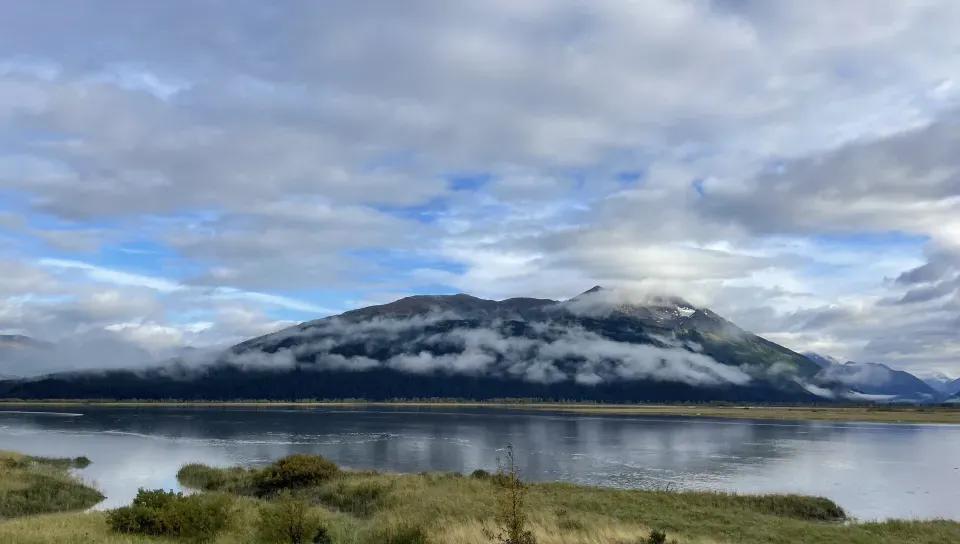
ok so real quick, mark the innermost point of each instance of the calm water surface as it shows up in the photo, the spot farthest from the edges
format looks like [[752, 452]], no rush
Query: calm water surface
[[873, 470]]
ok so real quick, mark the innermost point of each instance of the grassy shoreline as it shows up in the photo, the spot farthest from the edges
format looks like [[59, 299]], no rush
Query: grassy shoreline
[[879, 414], [373, 507], [41, 485]]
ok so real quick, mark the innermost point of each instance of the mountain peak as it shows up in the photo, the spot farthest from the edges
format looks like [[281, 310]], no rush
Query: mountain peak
[[594, 289]]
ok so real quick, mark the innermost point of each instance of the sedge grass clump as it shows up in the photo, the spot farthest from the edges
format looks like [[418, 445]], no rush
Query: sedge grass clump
[[195, 518], [289, 519], [295, 471], [40, 485], [404, 533], [236, 480], [797, 506], [33, 494], [361, 498]]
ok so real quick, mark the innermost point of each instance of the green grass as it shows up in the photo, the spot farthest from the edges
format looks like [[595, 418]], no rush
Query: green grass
[[370, 507], [41, 485], [457, 509]]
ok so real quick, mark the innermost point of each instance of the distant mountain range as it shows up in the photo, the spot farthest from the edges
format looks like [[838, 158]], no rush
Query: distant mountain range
[[941, 382], [879, 382], [599, 346], [19, 341]]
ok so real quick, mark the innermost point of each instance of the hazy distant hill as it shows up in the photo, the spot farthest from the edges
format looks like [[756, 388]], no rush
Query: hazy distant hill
[[878, 380], [939, 381]]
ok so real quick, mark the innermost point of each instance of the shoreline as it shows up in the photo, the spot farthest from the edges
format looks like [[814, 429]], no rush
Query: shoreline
[[875, 414]]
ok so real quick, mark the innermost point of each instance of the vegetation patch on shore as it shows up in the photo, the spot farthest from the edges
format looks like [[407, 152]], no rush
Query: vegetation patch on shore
[[302, 499], [40, 485]]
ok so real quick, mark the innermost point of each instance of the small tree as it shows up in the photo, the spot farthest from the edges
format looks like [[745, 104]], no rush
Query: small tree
[[511, 496]]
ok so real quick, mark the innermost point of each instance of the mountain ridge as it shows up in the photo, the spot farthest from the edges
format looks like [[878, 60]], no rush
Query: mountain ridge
[[599, 345]]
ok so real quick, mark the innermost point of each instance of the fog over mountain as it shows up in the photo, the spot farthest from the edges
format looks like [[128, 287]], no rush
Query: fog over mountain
[[602, 343], [879, 382], [939, 381]]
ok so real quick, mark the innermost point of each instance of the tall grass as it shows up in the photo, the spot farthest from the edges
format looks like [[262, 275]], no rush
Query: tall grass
[[369, 507], [40, 485]]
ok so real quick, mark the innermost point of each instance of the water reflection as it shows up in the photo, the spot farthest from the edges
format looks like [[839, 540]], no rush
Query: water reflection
[[873, 470]]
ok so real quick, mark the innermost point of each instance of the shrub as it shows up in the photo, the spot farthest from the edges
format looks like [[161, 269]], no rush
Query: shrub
[[511, 518], [289, 520], [294, 471], [81, 462], [165, 513], [480, 474], [657, 537]]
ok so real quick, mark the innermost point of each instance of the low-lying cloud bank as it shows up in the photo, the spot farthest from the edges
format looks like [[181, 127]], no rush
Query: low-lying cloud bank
[[541, 352]]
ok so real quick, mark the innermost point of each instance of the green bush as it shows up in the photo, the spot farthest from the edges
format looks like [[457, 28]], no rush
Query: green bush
[[81, 462], [295, 471], [657, 537], [480, 474], [157, 512], [289, 520]]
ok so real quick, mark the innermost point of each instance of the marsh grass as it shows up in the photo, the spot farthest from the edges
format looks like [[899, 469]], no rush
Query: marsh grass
[[370, 507], [42, 485]]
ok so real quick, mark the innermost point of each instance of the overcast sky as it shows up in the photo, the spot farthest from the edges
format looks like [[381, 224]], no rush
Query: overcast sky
[[194, 173]]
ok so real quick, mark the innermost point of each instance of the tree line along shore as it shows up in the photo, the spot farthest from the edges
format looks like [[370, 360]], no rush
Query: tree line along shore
[[895, 413]]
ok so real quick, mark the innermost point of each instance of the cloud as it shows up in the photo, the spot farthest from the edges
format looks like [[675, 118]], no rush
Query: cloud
[[83, 352], [544, 352], [740, 154]]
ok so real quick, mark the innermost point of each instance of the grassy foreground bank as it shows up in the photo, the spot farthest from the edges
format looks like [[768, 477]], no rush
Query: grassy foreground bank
[[39, 485], [334, 506], [869, 413]]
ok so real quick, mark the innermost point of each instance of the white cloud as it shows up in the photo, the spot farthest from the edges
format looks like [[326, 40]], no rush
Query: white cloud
[[307, 148]]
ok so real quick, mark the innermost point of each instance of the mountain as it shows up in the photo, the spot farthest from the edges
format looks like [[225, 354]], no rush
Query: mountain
[[601, 345], [879, 380], [939, 381], [19, 341], [14, 346], [953, 387], [823, 361]]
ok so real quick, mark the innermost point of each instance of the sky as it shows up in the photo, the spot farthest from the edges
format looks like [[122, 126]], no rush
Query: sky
[[196, 173]]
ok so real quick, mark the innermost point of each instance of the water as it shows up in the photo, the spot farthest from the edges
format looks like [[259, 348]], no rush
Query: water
[[873, 470]]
